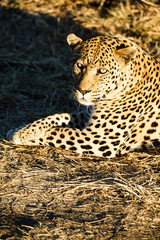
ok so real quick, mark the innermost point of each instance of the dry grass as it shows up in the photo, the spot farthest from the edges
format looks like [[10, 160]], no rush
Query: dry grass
[[52, 194]]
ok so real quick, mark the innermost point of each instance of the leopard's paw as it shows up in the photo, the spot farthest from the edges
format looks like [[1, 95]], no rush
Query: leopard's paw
[[14, 136]]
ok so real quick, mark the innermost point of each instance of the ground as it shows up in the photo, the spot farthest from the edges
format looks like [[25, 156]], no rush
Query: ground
[[48, 193]]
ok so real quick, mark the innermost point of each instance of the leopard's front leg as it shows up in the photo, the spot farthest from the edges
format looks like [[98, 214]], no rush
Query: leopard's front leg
[[30, 133]]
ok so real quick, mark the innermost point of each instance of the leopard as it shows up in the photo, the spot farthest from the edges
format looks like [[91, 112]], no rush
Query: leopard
[[118, 83]]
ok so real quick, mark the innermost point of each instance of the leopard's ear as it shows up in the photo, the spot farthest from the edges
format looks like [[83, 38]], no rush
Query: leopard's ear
[[73, 40], [125, 55]]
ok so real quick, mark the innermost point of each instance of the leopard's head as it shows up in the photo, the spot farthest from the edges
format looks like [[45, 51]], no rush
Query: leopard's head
[[98, 66]]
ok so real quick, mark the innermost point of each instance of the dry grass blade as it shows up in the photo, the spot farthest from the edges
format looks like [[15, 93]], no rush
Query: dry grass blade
[[147, 3]]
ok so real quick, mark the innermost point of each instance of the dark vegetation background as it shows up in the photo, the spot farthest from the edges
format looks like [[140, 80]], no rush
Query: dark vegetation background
[[48, 193]]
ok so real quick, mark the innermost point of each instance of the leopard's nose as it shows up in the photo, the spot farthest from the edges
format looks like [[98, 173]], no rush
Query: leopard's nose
[[83, 91]]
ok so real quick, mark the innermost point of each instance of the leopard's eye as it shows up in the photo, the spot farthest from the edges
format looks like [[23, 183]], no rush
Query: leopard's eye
[[102, 71], [80, 65]]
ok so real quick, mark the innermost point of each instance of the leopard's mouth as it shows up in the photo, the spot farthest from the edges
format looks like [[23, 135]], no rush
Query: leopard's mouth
[[84, 99]]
